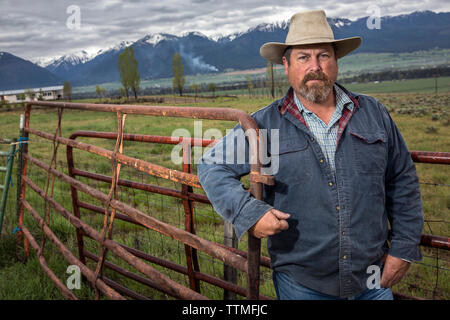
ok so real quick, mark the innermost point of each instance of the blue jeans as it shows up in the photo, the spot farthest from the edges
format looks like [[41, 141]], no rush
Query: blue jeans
[[288, 289]]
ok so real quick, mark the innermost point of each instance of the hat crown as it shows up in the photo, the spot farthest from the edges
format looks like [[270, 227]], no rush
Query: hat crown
[[307, 28], [307, 25]]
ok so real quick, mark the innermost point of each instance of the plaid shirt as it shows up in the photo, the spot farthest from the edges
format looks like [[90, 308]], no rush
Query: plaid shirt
[[326, 134]]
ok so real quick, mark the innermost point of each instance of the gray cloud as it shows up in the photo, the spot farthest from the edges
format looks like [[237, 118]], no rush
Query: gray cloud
[[37, 29]]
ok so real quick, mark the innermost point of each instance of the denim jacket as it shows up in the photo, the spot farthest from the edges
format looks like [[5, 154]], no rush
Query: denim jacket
[[339, 221]]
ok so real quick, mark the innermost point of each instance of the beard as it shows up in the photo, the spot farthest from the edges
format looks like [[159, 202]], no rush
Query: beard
[[316, 92]]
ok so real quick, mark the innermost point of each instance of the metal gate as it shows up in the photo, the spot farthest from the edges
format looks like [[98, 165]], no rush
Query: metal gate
[[247, 262]]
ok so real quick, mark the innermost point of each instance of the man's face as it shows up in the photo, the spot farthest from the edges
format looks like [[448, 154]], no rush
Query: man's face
[[312, 71]]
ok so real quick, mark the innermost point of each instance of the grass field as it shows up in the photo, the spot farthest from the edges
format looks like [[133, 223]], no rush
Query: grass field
[[423, 119]]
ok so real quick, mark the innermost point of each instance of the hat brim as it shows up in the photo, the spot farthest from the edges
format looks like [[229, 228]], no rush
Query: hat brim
[[273, 51]]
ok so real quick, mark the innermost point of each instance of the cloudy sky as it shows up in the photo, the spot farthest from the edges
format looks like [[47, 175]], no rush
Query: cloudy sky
[[43, 28]]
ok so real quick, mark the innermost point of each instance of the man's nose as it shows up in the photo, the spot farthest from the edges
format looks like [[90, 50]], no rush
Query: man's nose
[[314, 64]]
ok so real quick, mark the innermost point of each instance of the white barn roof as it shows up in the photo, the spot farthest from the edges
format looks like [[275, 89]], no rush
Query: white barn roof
[[36, 90]]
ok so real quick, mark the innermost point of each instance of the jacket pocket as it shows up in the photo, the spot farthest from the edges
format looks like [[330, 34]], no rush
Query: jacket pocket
[[370, 150], [291, 145], [293, 158]]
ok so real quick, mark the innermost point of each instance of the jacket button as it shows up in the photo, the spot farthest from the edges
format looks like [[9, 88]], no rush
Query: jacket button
[[330, 184], [321, 160], [344, 257], [337, 208]]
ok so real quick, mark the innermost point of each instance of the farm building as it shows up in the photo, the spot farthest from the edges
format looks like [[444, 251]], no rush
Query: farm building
[[47, 93]]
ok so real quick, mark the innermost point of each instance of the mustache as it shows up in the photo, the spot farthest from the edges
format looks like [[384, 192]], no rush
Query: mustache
[[315, 76]]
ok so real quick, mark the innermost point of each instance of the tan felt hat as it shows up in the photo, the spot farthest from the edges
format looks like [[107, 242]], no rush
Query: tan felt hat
[[310, 27]]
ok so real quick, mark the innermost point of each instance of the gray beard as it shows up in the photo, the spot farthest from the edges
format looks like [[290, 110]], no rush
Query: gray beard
[[316, 93]]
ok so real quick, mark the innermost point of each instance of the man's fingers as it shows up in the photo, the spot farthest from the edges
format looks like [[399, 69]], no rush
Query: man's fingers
[[280, 215], [283, 225], [279, 220], [271, 223]]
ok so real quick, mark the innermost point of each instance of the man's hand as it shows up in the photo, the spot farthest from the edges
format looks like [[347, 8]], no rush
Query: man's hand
[[394, 270], [272, 222]]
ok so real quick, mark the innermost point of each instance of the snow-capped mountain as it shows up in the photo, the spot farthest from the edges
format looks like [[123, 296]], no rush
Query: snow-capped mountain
[[155, 39], [71, 59], [63, 66], [338, 22], [115, 48]]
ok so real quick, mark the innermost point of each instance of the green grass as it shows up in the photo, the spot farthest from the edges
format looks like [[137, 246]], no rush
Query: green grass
[[414, 113], [376, 62]]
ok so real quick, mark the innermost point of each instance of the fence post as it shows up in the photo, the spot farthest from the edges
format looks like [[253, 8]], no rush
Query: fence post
[[229, 273], [19, 164], [8, 172], [191, 253], [254, 244], [23, 173]]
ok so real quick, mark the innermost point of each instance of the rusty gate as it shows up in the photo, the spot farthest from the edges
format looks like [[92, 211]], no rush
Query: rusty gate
[[248, 261]]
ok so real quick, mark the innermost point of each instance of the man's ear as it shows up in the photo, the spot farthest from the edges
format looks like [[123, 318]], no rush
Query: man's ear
[[286, 65]]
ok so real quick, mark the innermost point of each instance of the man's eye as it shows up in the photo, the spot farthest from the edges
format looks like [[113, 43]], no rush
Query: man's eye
[[324, 55], [302, 58]]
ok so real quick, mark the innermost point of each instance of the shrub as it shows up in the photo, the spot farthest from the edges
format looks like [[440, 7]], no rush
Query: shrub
[[431, 129], [435, 117]]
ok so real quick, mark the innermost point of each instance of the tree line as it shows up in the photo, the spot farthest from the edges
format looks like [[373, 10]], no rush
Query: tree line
[[442, 71]]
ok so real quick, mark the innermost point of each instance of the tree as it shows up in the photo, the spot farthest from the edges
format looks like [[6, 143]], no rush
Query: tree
[[195, 87], [40, 95], [249, 85], [100, 91], [129, 74], [29, 93], [212, 88], [270, 78], [67, 90], [178, 73]]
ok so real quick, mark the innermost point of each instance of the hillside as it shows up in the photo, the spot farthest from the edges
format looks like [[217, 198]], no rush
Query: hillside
[[17, 73]]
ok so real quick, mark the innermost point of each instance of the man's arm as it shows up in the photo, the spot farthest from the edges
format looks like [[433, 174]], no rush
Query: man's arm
[[219, 172], [403, 205]]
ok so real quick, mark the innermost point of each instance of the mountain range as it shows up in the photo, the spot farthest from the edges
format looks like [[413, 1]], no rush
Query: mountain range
[[202, 54]]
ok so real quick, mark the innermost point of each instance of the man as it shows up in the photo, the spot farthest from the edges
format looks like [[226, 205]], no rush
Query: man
[[344, 174]]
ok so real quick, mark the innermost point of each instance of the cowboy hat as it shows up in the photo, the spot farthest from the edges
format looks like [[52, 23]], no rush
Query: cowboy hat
[[310, 27]]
